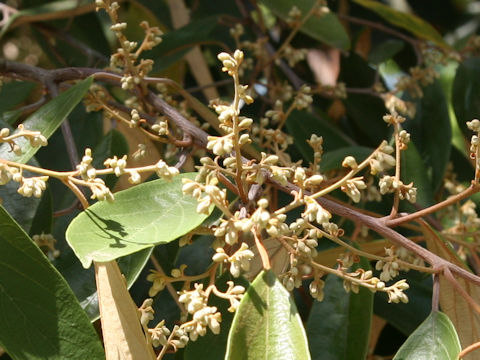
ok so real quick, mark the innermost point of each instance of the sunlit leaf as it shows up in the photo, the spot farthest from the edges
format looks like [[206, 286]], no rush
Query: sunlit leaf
[[148, 214], [434, 339], [39, 315], [267, 324], [409, 22]]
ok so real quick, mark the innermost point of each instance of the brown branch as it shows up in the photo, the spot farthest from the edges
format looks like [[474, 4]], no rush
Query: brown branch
[[199, 137]]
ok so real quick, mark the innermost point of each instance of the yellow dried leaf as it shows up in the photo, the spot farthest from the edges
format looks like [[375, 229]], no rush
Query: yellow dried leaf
[[122, 333]]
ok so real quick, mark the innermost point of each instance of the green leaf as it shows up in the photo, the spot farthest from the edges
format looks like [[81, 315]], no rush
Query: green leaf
[[175, 44], [46, 120], [43, 219], [338, 327], [148, 214], [327, 28], [333, 159], [406, 317], [35, 13], [434, 339], [409, 22], [386, 50], [40, 316], [413, 170], [302, 124], [13, 93], [432, 133], [267, 324], [466, 93]]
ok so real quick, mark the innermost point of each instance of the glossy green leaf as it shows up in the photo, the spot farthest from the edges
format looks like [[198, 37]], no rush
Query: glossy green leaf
[[82, 281], [302, 124], [46, 120], [267, 324], [40, 316], [413, 170], [175, 44], [432, 133], [327, 28], [466, 93], [148, 214], [434, 339], [409, 22], [338, 328]]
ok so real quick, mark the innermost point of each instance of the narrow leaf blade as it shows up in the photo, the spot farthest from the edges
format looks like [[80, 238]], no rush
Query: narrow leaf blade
[[40, 316], [46, 120], [409, 22], [148, 214], [267, 324]]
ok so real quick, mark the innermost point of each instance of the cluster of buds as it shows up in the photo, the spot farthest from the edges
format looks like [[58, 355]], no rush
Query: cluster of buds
[[99, 190], [389, 269], [315, 212], [396, 105], [33, 186], [292, 279], [294, 16], [388, 184], [382, 160], [409, 257], [396, 292], [303, 99], [316, 289], [140, 152], [474, 125], [118, 165], [230, 229], [34, 137], [239, 261], [46, 242], [203, 316], [85, 168], [159, 281], [159, 334], [418, 77], [161, 126], [293, 55], [352, 188], [164, 171]]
